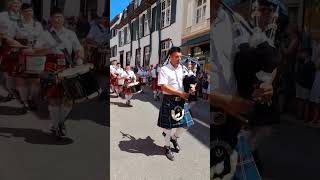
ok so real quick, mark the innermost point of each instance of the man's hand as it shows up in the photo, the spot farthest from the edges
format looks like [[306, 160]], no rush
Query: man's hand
[[193, 88], [264, 93], [184, 95], [238, 107]]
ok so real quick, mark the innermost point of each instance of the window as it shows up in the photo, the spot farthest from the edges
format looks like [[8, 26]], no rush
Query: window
[[114, 51], [113, 32], [201, 11], [146, 24], [138, 57], [126, 35], [128, 57], [141, 26], [165, 46], [121, 38], [165, 13], [146, 56], [136, 4]]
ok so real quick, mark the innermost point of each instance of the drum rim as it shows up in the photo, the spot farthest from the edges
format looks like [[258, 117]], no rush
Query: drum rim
[[79, 73]]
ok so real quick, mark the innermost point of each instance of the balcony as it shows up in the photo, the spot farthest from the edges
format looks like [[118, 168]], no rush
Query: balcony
[[195, 29]]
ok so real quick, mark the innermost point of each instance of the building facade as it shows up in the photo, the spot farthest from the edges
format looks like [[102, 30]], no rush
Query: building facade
[[196, 30], [146, 31], [72, 8]]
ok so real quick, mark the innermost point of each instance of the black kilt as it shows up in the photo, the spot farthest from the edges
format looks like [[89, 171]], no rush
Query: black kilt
[[165, 120]]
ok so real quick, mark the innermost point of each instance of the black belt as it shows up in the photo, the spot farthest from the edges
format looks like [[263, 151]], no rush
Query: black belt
[[172, 97]]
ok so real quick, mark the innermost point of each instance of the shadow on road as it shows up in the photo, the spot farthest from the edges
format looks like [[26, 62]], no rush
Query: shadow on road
[[34, 136], [91, 110], [12, 111], [143, 146], [200, 111], [120, 104]]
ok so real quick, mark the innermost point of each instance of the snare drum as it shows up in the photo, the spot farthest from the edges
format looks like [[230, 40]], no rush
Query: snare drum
[[79, 83], [143, 80], [120, 82], [134, 88], [32, 65]]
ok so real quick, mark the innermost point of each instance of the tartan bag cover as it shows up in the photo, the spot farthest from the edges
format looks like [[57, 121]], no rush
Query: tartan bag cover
[[187, 119], [246, 167]]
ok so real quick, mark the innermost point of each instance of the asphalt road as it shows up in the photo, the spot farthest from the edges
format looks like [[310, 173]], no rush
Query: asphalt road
[[137, 144], [29, 152]]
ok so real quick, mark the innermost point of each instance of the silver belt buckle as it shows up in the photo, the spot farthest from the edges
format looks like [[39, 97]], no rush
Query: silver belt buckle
[[177, 98]]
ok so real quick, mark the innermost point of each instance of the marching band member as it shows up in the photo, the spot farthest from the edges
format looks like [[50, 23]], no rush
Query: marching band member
[[28, 87], [113, 76], [60, 40], [98, 33], [171, 82], [141, 74], [155, 87], [120, 71], [8, 26], [130, 78]]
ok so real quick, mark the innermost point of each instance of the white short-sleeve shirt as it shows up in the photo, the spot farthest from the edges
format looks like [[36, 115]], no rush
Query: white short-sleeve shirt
[[99, 35], [8, 26], [172, 76], [129, 74], [69, 40], [113, 69], [32, 30]]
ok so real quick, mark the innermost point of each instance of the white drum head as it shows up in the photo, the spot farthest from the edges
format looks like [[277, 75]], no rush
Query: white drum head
[[133, 84], [120, 81], [35, 63], [78, 70]]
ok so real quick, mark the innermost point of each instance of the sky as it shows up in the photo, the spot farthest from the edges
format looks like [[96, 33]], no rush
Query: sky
[[117, 6]]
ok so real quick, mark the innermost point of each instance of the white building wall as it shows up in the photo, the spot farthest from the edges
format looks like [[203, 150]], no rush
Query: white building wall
[[173, 32]]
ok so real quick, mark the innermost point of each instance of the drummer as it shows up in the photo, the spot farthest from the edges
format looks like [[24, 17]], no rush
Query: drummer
[[98, 34], [130, 77], [60, 40], [155, 87], [8, 27], [28, 87], [120, 72], [113, 76], [141, 75]]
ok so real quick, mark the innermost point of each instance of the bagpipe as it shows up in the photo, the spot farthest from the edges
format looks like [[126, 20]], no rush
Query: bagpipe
[[256, 55]]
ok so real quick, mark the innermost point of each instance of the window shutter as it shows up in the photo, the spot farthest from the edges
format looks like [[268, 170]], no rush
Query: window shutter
[[138, 27], [158, 19], [173, 11], [143, 19], [134, 28], [153, 27]]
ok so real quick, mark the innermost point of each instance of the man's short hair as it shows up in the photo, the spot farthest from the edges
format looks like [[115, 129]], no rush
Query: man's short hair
[[25, 6], [174, 49], [56, 10]]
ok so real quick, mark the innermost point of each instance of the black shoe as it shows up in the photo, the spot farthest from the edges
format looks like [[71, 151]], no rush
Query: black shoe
[[62, 129], [175, 145], [8, 98], [168, 153], [32, 105]]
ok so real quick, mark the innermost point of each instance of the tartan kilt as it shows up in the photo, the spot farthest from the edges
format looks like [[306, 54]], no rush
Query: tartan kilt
[[166, 121], [114, 81], [55, 91], [154, 84], [246, 167]]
